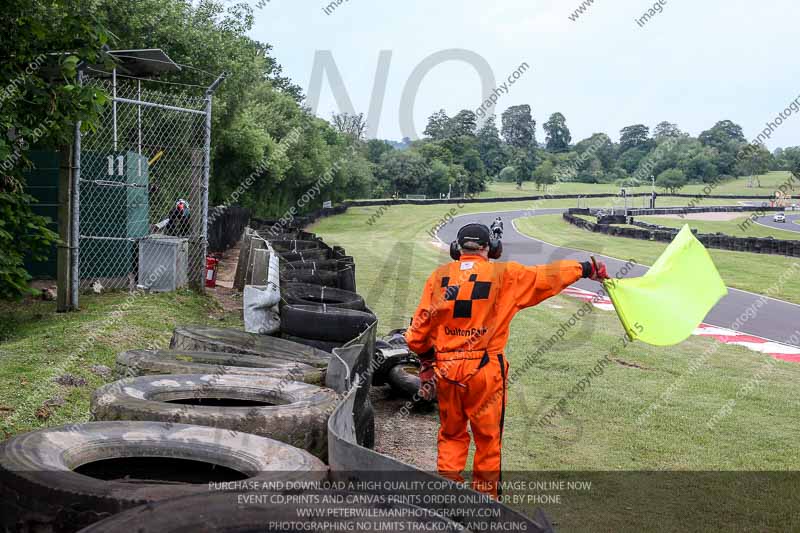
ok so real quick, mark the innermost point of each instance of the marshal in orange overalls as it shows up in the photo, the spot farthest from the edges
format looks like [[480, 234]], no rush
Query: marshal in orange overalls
[[464, 316]]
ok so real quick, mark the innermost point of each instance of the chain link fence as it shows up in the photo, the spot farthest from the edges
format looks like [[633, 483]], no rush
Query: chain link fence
[[144, 186]]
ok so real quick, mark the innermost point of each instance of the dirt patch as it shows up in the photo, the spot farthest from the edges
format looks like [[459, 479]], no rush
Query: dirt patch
[[228, 298], [411, 439], [630, 365], [69, 380], [717, 216]]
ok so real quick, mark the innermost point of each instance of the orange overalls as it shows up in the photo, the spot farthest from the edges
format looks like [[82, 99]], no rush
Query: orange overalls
[[464, 316]]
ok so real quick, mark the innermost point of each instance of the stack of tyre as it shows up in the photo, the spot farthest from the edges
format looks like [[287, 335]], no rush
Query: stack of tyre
[[220, 408], [319, 303]]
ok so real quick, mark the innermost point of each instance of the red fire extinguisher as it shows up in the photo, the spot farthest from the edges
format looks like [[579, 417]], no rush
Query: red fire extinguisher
[[211, 271]]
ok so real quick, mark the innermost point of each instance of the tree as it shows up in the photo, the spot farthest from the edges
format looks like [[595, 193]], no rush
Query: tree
[[405, 171], [756, 163], [490, 146], [37, 112], [438, 126], [701, 168], [544, 175], [722, 134], [376, 148], [352, 125], [666, 130], [508, 174], [518, 127], [635, 136], [671, 180], [558, 135], [464, 123]]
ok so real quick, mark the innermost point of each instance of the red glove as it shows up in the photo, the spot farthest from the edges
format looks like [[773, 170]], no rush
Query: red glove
[[599, 271], [427, 381]]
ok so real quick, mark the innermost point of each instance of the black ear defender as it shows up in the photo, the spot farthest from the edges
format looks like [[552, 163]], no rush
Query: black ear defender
[[495, 245], [455, 251]]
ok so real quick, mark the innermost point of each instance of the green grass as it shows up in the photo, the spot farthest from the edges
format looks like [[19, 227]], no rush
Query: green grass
[[728, 227], [741, 270], [599, 429], [769, 183], [37, 344]]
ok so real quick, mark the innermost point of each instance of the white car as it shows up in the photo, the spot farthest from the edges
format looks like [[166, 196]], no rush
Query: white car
[[780, 217]]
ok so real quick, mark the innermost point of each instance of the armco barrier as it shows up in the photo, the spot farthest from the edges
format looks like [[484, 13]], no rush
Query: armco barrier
[[652, 232]]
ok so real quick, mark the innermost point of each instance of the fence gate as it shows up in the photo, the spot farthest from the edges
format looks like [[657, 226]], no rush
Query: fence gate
[[142, 176]]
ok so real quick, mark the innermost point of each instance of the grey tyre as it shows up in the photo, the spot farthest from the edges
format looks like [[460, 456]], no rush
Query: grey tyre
[[62, 479], [231, 513], [289, 411], [205, 339], [135, 363]]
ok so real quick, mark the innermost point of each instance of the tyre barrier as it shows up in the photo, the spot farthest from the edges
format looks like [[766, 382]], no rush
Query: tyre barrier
[[225, 512], [206, 339], [307, 294], [287, 411], [325, 323], [719, 241], [62, 479], [135, 363]]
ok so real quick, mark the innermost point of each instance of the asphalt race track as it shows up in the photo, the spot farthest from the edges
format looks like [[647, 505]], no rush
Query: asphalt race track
[[777, 320], [788, 225]]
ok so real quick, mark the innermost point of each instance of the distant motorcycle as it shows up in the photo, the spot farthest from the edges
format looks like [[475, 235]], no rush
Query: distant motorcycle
[[497, 232]]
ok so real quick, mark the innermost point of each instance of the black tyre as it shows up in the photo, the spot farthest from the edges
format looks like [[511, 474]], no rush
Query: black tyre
[[65, 478], [205, 339], [388, 358], [326, 346], [306, 294], [324, 323], [135, 363], [404, 380], [312, 277], [307, 255], [293, 245], [289, 411], [237, 513]]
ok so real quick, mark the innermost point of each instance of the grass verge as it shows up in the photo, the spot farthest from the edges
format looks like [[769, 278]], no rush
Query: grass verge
[[741, 270], [606, 426], [38, 345]]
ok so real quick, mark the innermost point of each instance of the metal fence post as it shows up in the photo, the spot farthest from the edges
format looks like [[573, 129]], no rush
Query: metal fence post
[[75, 232], [207, 171]]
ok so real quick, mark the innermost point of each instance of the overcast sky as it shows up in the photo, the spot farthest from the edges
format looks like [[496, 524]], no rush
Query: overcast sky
[[695, 63]]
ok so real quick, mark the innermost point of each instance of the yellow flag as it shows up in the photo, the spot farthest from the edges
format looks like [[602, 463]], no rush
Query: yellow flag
[[664, 306]]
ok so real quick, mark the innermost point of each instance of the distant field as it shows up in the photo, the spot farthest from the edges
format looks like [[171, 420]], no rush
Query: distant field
[[769, 183]]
